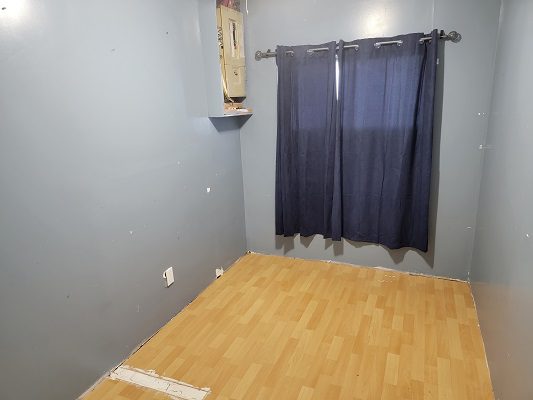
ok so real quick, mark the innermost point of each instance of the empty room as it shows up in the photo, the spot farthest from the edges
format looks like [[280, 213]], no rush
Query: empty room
[[252, 200]]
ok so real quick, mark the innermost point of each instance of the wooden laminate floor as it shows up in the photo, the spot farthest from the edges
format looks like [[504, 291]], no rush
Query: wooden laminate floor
[[282, 328]]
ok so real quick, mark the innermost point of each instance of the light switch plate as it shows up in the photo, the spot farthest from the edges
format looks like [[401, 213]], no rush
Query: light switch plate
[[169, 276]]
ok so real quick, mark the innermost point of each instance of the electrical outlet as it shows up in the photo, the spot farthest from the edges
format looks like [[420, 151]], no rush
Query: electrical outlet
[[219, 272], [169, 276]]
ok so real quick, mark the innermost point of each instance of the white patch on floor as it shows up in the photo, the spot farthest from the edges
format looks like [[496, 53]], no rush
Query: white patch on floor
[[149, 379]]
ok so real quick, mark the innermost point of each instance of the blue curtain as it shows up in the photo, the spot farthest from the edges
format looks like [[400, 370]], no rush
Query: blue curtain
[[307, 108], [358, 167], [386, 104]]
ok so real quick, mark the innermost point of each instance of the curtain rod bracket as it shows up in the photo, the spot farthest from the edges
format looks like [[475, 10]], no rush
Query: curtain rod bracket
[[267, 54]]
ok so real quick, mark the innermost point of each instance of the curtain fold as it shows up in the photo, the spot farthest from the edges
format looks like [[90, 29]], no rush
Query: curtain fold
[[359, 166], [306, 139]]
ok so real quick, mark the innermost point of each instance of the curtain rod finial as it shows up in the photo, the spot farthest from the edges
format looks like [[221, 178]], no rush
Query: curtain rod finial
[[454, 36]]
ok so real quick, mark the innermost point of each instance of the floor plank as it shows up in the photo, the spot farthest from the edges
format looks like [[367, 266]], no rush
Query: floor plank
[[282, 328]]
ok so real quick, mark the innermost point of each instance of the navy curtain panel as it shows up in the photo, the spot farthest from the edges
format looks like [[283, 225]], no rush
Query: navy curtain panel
[[367, 175], [307, 108], [386, 103]]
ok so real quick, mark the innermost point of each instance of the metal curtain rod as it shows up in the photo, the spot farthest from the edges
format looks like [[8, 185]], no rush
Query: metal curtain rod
[[452, 36]]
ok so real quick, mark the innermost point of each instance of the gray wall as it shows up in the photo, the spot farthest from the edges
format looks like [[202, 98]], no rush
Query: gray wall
[[105, 157], [467, 71], [502, 268]]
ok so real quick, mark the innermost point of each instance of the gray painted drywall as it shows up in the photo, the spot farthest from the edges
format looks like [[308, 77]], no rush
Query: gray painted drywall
[[502, 269], [467, 71], [106, 155]]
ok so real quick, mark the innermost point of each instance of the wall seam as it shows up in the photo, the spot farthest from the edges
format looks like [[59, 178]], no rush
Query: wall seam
[[486, 133]]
